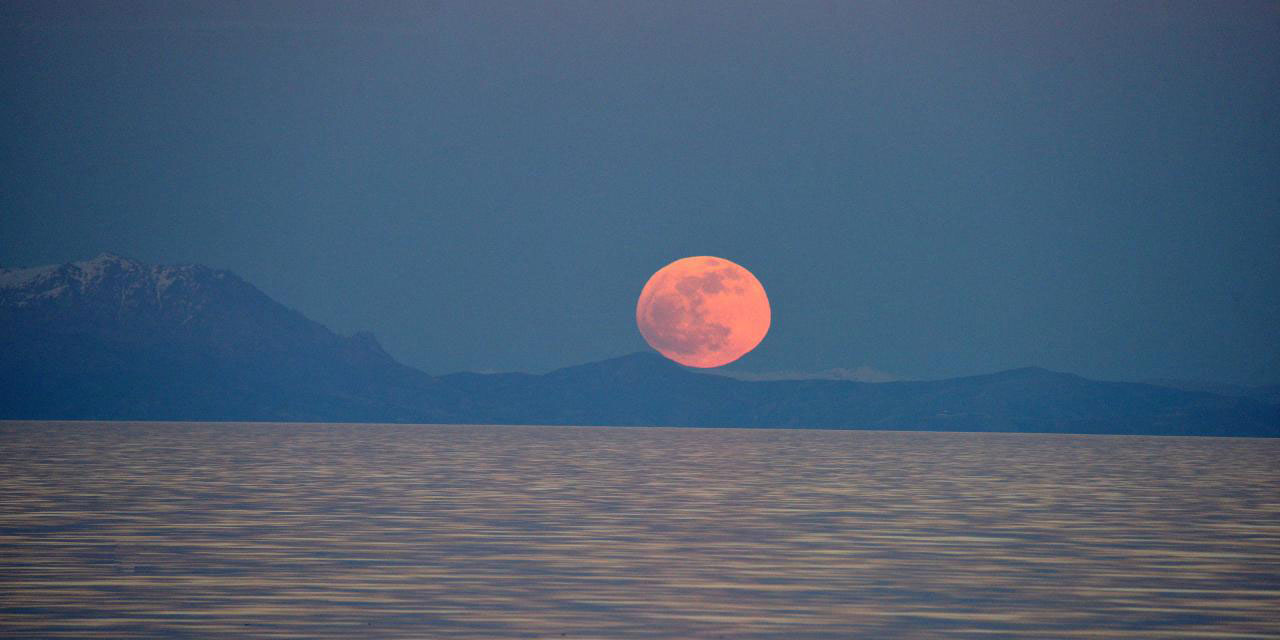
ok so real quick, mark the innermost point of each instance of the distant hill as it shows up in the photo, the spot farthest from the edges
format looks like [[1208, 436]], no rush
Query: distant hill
[[647, 389], [112, 338], [1265, 393]]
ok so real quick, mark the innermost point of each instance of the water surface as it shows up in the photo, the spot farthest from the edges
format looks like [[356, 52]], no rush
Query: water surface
[[307, 531]]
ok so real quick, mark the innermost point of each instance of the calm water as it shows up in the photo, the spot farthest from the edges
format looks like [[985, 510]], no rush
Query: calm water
[[345, 531]]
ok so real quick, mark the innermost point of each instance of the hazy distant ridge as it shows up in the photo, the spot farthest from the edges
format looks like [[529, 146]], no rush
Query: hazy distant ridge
[[112, 338]]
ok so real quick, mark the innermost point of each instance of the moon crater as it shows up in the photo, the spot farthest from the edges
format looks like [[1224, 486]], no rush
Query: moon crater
[[703, 311]]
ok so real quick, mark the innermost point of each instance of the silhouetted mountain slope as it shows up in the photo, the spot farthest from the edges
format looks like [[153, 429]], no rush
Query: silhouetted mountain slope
[[647, 389], [114, 338], [1265, 393], [111, 338]]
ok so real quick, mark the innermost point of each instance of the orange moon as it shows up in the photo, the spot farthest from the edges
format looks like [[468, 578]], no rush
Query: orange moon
[[703, 311]]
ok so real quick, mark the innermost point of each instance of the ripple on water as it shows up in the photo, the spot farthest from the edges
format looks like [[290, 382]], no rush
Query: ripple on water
[[268, 530]]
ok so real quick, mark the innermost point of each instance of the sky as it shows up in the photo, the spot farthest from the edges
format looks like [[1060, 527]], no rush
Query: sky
[[925, 189]]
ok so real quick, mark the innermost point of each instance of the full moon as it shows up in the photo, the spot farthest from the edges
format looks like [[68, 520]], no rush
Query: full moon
[[703, 311]]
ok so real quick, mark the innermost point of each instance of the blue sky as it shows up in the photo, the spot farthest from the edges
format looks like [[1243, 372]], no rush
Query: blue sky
[[930, 189]]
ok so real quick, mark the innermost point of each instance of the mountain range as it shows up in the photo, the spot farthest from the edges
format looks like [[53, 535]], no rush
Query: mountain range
[[115, 339]]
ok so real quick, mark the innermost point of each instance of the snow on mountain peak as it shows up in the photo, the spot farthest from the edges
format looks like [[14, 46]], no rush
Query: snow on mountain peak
[[97, 268], [23, 277], [83, 272], [35, 285]]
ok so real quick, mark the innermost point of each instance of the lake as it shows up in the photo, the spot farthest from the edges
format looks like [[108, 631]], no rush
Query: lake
[[194, 530]]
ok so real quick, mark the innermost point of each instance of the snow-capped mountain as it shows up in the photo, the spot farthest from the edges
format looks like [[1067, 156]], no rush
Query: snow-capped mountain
[[114, 292], [100, 336], [55, 284]]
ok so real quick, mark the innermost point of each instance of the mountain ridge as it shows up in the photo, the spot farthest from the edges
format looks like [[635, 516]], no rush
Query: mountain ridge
[[114, 338]]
